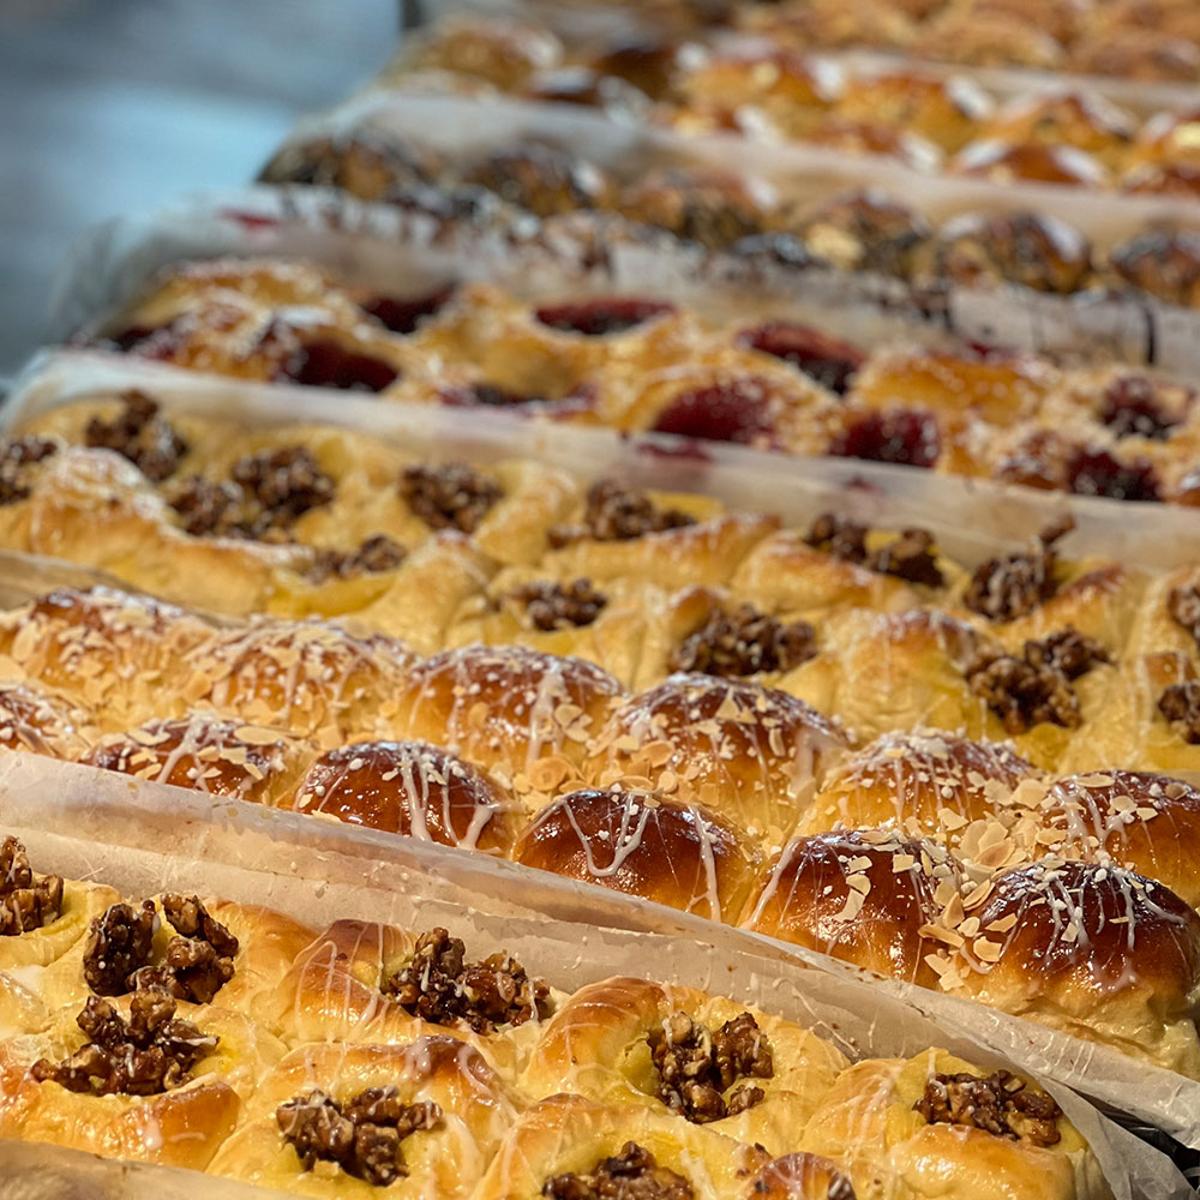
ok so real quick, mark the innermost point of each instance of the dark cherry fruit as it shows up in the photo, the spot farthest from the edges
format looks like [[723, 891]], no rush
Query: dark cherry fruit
[[1098, 473], [828, 360], [404, 316], [325, 363], [737, 411], [1131, 407], [604, 315], [907, 436]]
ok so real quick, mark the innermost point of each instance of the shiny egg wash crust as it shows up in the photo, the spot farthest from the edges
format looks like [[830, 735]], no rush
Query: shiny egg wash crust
[[768, 87], [226, 1038], [842, 738], [636, 365]]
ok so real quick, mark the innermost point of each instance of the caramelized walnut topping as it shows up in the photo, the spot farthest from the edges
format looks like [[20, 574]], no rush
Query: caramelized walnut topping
[[552, 606], [1003, 589], [617, 514], [364, 1137], [26, 902], [911, 555], [286, 483], [139, 434], [1180, 705], [439, 985], [999, 1103], [372, 556], [207, 508], [119, 942], [151, 1052], [452, 496], [15, 456], [1035, 687], [745, 642], [697, 1066], [118, 956], [634, 1174], [1184, 606]]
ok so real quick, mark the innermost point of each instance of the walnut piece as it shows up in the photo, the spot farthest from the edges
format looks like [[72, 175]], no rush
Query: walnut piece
[[15, 456], [139, 434], [551, 606], [618, 514], [634, 1174], [151, 1052], [438, 985], [697, 1066], [744, 642], [118, 956], [1005, 588], [999, 1103], [911, 555], [1180, 705], [1036, 686], [450, 496], [372, 556], [26, 902], [364, 1137]]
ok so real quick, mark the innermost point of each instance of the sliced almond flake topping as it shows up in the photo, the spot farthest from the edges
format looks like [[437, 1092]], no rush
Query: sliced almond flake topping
[[940, 933], [860, 862], [858, 883], [986, 950], [950, 820], [1002, 924], [902, 862], [852, 907], [256, 735], [953, 914]]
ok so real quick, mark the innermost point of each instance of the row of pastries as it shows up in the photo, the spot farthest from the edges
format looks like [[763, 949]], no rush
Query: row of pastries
[[830, 734], [768, 88], [225, 1037], [791, 224], [644, 364]]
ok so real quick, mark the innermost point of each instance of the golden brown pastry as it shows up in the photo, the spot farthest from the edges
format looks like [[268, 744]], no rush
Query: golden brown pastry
[[363, 982], [1084, 120], [1031, 161], [709, 1060], [750, 753], [447, 1106], [1095, 950], [568, 1145], [146, 1078], [410, 788], [643, 844], [946, 111], [864, 896], [36, 719], [505, 53], [935, 1125]]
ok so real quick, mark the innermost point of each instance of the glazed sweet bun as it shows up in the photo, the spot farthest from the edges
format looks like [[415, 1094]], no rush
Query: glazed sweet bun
[[939, 1126], [1146, 822], [925, 784], [567, 1145], [1094, 950], [447, 1105], [207, 753], [802, 1176], [753, 754], [1086, 121], [864, 896], [506, 709], [364, 982], [309, 677], [643, 844], [412, 789], [709, 1060], [38, 720], [1031, 161], [165, 1085], [114, 651]]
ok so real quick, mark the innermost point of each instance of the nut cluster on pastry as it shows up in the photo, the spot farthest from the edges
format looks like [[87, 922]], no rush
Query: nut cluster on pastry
[[228, 1038], [865, 229], [642, 364], [833, 734], [770, 87]]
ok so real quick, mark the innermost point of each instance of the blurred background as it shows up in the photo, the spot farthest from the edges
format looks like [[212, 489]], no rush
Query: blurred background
[[116, 106]]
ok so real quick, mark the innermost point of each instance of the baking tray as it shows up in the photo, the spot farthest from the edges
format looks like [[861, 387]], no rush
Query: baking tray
[[141, 838]]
